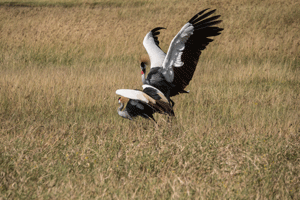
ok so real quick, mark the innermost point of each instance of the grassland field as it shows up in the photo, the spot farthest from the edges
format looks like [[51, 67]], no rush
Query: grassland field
[[236, 135]]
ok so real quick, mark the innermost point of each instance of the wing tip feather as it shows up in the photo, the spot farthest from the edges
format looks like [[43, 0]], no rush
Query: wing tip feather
[[156, 31], [202, 15]]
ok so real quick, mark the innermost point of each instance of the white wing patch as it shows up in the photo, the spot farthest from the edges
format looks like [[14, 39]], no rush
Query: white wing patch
[[135, 94], [173, 57], [156, 55]]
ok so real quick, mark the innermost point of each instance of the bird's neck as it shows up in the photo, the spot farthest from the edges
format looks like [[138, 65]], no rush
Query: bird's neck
[[143, 76], [121, 107]]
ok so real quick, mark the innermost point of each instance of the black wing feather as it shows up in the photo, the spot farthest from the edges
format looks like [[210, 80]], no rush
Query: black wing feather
[[156, 32], [193, 47], [202, 17], [210, 19], [197, 15]]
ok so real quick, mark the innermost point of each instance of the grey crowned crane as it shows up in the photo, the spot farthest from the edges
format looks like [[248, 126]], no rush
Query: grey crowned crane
[[169, 73]]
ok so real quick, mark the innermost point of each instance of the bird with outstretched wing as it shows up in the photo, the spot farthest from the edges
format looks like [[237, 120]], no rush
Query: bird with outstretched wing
[[170, 72]]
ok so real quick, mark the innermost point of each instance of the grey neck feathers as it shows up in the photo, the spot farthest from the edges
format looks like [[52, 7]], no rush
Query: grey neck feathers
[[143, 78], [143, 68]]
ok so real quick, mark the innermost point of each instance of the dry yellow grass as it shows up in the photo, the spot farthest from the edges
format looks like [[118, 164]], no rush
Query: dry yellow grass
[[235, 136]]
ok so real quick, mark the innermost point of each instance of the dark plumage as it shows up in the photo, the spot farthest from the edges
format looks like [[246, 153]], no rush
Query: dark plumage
[[138, 108]]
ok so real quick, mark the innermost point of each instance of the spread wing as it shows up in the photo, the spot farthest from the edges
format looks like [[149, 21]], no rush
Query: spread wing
[[135, 94], [159, 104], [156, 92], [151, 45], [185, 49]]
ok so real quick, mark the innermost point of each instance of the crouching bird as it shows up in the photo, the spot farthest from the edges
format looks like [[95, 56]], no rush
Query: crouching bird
[[169, 73], [143, 103]]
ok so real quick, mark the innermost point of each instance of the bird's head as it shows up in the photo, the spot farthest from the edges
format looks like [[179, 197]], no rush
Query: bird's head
[[124, 113], [143, 68]]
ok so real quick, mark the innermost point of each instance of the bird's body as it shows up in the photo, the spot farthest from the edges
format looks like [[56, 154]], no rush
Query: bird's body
[[169, 72], [156, 79], [138, 108]]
